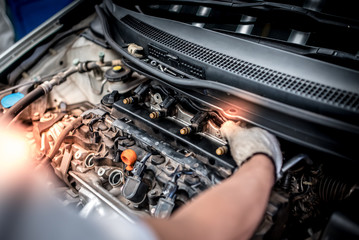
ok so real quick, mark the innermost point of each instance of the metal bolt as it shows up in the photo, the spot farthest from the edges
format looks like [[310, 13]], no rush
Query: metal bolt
[[128, 100], [154, 115], [185, 131], [221, 150]]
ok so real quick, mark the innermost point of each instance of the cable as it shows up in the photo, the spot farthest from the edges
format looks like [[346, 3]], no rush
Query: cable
[[162, 89], [38, 53], [199, 108], [146, 157], [16, 87], [94, 90], [35, 80], [93, 121]]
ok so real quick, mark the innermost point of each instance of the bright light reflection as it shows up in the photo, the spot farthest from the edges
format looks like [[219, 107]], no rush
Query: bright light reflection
[[14, 155], [13, 148]]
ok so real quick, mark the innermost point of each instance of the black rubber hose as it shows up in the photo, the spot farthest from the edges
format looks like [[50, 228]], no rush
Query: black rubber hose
[[34, 95], [57, 79], [23, 103]]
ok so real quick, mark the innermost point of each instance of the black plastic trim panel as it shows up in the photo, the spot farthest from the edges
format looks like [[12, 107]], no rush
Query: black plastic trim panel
[[295, 85], [298, 81]]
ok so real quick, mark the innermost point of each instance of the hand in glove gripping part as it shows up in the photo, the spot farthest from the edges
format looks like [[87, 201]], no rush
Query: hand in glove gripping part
[[247, 142]]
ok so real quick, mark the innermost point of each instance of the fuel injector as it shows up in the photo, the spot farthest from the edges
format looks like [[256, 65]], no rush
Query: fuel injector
[[165, 108], [138, 96], [197, 122]]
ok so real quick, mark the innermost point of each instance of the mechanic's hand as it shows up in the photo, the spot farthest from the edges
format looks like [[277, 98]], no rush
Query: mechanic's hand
[[246, 142]]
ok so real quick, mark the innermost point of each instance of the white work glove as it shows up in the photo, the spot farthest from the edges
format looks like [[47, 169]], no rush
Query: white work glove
[[246, 142]]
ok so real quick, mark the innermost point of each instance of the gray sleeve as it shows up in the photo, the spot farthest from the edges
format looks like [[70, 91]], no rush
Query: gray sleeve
[[44, 220]]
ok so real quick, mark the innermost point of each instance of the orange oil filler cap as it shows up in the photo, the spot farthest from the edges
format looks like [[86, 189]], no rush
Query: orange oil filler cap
[[129, 157]]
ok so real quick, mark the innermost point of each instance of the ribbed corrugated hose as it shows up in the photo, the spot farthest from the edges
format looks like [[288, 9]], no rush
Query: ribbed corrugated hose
[[47, 159]]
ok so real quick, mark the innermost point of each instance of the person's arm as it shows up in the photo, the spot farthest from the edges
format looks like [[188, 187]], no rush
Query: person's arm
[[231, 210], [234, 208]]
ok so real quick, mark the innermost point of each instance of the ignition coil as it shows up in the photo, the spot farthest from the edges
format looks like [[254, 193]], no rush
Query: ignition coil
[[135, 189], [166, 204]]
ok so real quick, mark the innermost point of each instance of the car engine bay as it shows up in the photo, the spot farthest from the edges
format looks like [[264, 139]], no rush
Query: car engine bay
[[127, 142]]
